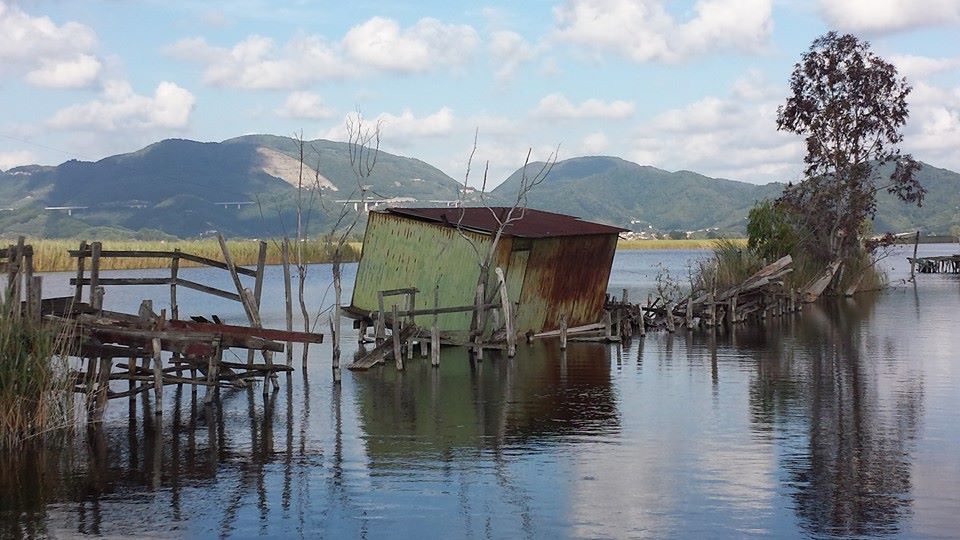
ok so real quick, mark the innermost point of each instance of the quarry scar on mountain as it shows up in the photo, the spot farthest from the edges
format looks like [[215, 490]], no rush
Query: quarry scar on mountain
[[553, 263], [286, 168]]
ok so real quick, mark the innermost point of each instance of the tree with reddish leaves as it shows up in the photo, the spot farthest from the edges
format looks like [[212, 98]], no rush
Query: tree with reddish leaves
[[850, 106]]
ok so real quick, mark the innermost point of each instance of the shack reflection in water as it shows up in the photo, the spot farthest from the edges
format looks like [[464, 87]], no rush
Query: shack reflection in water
[[839, 422]]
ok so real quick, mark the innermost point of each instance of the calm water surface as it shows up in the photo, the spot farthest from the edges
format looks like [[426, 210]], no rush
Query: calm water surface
[[841, 421]]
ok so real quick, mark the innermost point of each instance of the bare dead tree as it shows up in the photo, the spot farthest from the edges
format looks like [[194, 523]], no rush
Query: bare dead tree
[[504, 217], [363, 149]]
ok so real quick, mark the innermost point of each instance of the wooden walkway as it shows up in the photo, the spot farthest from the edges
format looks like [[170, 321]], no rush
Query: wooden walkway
[[946, 264]]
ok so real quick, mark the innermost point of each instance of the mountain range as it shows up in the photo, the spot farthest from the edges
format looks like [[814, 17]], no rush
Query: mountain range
[[248, 186]]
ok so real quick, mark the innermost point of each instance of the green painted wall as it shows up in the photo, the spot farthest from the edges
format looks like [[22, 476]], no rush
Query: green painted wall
[[400, 253]]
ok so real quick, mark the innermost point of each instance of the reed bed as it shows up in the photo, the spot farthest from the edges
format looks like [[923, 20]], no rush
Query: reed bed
[[676, 244], [36, 390], [53, 256]]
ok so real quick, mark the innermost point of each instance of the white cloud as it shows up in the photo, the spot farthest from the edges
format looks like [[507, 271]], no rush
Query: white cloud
[[381, 43], [403, 129], [510, 50], [407, 125], [643, 30], [305, 105], [917, 67], [882, 16], [120, 108], [932, 132], [378, 44], [76, 73], [257, 63], [594, 143], [558, 107], [732, 136], [15, 158], [52, 55]]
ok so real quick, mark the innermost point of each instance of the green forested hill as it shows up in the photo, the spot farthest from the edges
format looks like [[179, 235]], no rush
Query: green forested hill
[[174, 186], [619, 192]]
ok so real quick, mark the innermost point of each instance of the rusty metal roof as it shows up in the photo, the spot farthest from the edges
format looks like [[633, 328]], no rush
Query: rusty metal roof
[[531, 223]]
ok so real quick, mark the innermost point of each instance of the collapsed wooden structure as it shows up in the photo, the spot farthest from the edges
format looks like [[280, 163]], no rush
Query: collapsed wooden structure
[[760, 296], [120, 346], [944, 264]]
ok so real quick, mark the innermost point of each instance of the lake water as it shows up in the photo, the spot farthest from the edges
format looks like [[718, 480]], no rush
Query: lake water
[[840, 421]]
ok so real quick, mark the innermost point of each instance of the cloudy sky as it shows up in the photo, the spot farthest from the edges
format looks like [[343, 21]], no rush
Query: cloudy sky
[[676, 84]]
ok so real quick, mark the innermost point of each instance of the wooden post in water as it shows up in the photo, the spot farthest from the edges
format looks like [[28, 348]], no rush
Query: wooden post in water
[[507, 314], [563, 330], [732, 318], [28, 283], [435, 330], [642, 325], [607, 326], [689, 318], [671, 325], [395, 331], [913, 262], [103, 387], [157, 375], [287, 295], [78, 293], [96, 298], [174, 273], [37, 297], [380, 331], [95, 249]]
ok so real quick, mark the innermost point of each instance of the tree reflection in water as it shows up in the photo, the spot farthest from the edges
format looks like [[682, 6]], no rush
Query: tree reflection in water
[[847, 453]]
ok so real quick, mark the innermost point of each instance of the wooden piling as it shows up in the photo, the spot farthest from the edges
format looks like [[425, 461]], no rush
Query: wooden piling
[[506, 307], [157, 376], [671, 325], [103, 388], [607, 326], [913, 261], [287, 295], [174, 272], [563, 330], [435, 330], [689, 317], [395, 331], [95, 249], [78, 292], [379, 325]]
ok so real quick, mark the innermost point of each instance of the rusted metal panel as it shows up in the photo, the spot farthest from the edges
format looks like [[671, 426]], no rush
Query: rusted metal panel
[[531, 223], [565, 275]]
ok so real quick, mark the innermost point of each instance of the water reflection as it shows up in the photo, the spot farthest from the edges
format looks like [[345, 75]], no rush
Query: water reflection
[[847, 442], [836, 422]]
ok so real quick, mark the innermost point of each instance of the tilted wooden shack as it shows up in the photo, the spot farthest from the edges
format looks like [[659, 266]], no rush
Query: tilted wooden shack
[[553, 264]]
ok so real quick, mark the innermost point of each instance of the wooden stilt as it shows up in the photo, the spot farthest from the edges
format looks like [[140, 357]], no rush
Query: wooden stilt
[[157, 376], [397, 351], [563, 330]]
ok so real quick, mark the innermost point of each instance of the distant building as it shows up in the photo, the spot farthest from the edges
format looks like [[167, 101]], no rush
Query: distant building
[[553, 263]]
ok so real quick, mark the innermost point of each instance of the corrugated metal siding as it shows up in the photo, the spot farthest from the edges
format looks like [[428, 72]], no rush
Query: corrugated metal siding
[[565, 275], [400, 253]]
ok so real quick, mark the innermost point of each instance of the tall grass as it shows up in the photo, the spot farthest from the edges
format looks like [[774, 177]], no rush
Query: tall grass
[[731, 264], [36, 389], [675, 244], [53, 256]]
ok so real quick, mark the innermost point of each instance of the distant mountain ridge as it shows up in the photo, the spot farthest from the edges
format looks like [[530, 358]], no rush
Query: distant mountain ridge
[[247, 186]]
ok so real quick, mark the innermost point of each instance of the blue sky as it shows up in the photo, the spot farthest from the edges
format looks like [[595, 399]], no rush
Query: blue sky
[[670, 83]]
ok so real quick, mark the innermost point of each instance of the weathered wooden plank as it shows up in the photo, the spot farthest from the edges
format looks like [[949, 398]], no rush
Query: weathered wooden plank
[[152, 254], [265, 333], [209, 290], [381, 352], [122, 281]]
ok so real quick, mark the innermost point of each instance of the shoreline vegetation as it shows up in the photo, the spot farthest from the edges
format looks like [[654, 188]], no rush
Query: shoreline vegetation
[[53, 256]]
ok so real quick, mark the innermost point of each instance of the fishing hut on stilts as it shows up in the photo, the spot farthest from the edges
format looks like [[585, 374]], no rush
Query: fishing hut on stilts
[[152, 349]]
